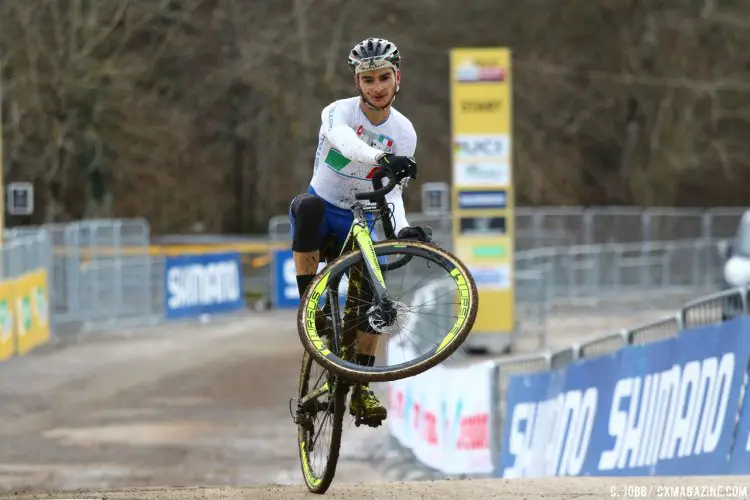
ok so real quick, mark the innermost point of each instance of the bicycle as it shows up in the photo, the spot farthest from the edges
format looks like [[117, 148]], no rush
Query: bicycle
[[374, 302]]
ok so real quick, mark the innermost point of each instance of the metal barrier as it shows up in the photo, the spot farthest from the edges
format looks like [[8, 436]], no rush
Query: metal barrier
[[595, 260], [605, 344], [714, 308], [658, 330], [597, 271], [101, 273], [537, 227], [23, 255]]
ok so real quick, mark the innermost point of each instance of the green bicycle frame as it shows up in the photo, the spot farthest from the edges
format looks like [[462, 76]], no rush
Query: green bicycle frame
[[359, 237]]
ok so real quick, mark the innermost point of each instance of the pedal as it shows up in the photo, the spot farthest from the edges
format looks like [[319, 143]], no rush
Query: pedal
[[369, 422]]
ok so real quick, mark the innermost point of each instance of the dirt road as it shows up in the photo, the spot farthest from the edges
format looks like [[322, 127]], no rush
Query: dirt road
[[517, 489], [201, 411], [177, 405]]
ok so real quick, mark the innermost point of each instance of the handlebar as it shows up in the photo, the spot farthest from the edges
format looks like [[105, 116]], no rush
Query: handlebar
[[380, 191]]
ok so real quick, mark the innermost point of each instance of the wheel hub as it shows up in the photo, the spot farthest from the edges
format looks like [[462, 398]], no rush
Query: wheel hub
[[388, 316]]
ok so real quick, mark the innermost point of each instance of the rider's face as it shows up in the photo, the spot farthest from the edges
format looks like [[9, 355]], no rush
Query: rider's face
[[378, 86]]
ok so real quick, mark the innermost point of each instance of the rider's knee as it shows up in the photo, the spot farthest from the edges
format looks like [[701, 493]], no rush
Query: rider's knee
[[308, 211]]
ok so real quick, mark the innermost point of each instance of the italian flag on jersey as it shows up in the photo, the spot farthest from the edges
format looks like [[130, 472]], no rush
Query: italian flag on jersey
[[337, 161]]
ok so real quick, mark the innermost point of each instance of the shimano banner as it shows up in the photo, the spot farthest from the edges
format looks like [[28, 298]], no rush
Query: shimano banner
[[284, 280], [673, 407], [202, 284], [285, 291]]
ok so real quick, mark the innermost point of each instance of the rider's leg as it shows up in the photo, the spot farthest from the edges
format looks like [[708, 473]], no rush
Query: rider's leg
[[367, 338], [307, 213], [367, 345], [366, 403]]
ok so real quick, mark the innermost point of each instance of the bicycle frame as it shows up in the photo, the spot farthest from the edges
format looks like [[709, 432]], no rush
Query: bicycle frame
[[359, 238]]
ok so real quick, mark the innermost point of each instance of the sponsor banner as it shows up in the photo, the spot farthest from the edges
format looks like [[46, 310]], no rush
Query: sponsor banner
[[740, 460], [24, 313], [444, 424], [665, 408], [31, 310], [482, 173], [474, 200], [488, 251], [482, 179], [284, 286], [285, 292], [482, 249], [481, 147], [491, 277], [481, 68], [200, 284], [7, 321], [481, 106], [483, 226]]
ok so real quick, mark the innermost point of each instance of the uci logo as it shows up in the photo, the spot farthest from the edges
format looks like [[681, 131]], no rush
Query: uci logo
[[480, 146]]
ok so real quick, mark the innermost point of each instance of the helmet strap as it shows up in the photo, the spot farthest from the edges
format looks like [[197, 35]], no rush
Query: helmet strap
[[372, 106]]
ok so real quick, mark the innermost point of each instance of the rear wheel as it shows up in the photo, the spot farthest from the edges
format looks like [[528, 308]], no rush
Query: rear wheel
[[319, 417]]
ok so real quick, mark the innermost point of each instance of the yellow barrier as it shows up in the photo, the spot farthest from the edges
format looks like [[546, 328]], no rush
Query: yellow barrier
[[7, 343], [32, 310], [24, 313]]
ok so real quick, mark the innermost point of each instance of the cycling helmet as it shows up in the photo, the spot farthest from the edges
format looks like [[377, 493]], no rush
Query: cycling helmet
[[374, 53]]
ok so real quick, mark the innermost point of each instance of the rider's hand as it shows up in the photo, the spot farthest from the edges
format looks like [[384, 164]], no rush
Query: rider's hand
[[416, 233], [400, 166]]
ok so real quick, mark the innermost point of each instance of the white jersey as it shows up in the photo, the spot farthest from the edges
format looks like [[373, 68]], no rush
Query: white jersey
[[347, 148]]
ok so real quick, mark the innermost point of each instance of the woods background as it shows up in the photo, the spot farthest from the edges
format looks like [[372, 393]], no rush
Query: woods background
[[207, 112]]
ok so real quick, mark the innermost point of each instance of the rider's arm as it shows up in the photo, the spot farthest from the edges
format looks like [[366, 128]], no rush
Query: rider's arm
[[407, 148], [344, 139], [399, 212]]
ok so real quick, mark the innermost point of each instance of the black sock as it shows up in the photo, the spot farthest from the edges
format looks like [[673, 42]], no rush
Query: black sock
[[365, 360], [303, 281]]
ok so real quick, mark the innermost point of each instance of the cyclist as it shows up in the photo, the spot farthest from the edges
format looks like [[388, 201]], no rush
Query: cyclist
[[358, 136]]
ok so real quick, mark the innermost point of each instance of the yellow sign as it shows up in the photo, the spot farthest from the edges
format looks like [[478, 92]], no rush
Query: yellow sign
[[24, 313], [482, 197], [7, 339], [31, 310]]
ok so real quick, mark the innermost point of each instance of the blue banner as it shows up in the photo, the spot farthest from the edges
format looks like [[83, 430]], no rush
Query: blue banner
[[740, 461], [284, 280], [664, 408], [202, 284], [285, 291]]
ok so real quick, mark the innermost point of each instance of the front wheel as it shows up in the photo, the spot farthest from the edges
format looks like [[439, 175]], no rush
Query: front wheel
[[319, 417], [429, 309]]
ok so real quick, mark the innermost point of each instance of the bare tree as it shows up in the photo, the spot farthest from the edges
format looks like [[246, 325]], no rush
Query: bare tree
[[209, 110]]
